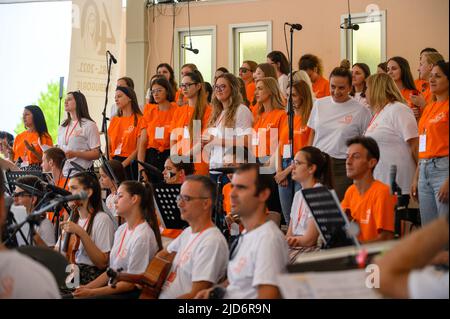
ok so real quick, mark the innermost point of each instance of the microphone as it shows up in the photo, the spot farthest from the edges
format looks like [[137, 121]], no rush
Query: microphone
[[80, 196], [30, 189], [355, 27], [76, 166], [112, 57], [195, 51], [55, 189], [295, 26]]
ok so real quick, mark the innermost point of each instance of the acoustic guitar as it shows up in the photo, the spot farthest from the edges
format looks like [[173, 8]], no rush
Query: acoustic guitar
[[151, 280]]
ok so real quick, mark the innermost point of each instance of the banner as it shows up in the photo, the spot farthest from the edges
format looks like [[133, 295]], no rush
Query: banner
[[96, 28]]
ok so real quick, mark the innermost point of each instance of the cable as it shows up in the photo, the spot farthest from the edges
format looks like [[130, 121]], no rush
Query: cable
[[189, 24], [173, 35]]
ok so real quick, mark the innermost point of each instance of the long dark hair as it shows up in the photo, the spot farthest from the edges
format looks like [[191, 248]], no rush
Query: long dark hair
[[279, 57], [202, 99], [117, 169], [90, 181], [145, 192], [172, 81], [324, 170], [407, 78], [82, 109], [134, 102], [366, 70], [40, 125]]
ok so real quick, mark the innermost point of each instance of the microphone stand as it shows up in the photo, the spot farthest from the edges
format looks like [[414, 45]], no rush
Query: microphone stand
[[219, 218], [290, 105], [105, 119]]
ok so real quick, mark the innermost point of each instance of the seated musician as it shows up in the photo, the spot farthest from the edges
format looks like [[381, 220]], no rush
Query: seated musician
[[44, 233], [311, 168], [175, 174], [370, 203], [200, 253], [18, 270], [52, 162], [107, 182], [135, 243], [260, 254], [91, 231]]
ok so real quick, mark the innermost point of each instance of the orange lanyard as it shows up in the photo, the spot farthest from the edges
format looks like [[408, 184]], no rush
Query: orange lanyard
[[66, 138], [186, 250], [300, 213]]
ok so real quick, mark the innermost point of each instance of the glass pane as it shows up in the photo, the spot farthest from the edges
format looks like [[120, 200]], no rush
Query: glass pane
[[203, 43], [253, 46], [367, 44]]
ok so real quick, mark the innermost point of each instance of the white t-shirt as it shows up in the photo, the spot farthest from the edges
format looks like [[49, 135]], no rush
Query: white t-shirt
[[283, 83], [335, 123], [23, 278], [84, 138], [243, 126], [260, 257], [300, 214], [201, 256], [428, 283], [392, 128], [102, 235], [133, 249], [110, 200], [47, 232], [361, 100]]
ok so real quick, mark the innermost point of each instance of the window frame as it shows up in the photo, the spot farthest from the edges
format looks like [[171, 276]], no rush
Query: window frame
[[233, 45], [179, 53], [347, 35]]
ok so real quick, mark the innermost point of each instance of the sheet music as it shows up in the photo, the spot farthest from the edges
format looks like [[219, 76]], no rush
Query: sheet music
[[349, 284]]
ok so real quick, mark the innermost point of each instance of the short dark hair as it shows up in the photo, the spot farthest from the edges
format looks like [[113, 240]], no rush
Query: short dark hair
[[262, 182], [185, 164], [443, 66], [428, 50], [208, 185], [373, 151], [9, 137], [344, 73], [223, 69], [129, 81], [162, 81], [57, 155]]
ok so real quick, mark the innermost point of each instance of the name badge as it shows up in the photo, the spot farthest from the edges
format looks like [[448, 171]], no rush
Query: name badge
[[255, 140], [287, 151], [422, 143], [186, 133], [118, 150], [159, 132], [212, 131]]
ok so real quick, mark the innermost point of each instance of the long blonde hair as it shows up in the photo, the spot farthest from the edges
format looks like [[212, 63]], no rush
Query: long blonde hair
[[236, 100], [275, 94], [382, 91], [304, 92]]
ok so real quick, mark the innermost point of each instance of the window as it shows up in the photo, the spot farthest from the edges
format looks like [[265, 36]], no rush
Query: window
[[204, 40], [368, 44], [249, 42]]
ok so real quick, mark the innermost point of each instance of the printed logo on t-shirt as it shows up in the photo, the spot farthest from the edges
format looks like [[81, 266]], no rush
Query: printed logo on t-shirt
[[185, 258], [438, 118], [130, 128], [240, 265], [347, 119], [78, 132], [366, 220]]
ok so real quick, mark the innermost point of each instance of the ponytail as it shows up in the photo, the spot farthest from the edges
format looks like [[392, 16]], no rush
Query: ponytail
[[323, 162]]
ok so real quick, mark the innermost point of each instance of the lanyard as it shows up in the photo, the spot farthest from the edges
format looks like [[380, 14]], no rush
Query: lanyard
[[300, 213], [66, 138], [186, 250], [123, 239]]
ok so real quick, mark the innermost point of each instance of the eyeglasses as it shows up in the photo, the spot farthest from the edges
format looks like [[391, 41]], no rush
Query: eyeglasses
[[220, 88], [155, 91], [186, 86], [19, 194], [187, 198], [243, 70]]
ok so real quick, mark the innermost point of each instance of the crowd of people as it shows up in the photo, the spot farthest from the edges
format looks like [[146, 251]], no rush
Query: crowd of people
[[349, 129]]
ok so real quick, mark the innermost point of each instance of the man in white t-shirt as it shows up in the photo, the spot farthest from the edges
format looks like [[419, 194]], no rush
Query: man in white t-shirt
[[200, 253], [260, 254], [20, 276], [408, 271]]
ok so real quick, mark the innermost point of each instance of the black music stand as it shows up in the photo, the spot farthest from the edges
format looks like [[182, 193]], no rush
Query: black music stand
[[166, 206], [12, 176], [331, 221]]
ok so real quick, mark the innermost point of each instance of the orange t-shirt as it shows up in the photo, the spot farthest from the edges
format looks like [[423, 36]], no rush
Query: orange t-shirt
[[301, 135], [373, 211], [226, 192], [20, 150], [250, 91], [434, 125], [123, 135], [254, 108], [321, 87], [424, 88], [157, 124], [60, 183], [180, 123], [274, 119]]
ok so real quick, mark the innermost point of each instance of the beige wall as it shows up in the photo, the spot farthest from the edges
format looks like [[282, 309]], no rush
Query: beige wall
[[411, 26]]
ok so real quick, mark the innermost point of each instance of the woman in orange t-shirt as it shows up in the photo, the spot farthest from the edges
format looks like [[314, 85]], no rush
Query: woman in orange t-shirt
[[399, 70], [246, 74], [270, 119], [29, 145], [263, 70], [302, 102], [430, 184], [312, 65], [154, 146], [125, 129], [189, 121]]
